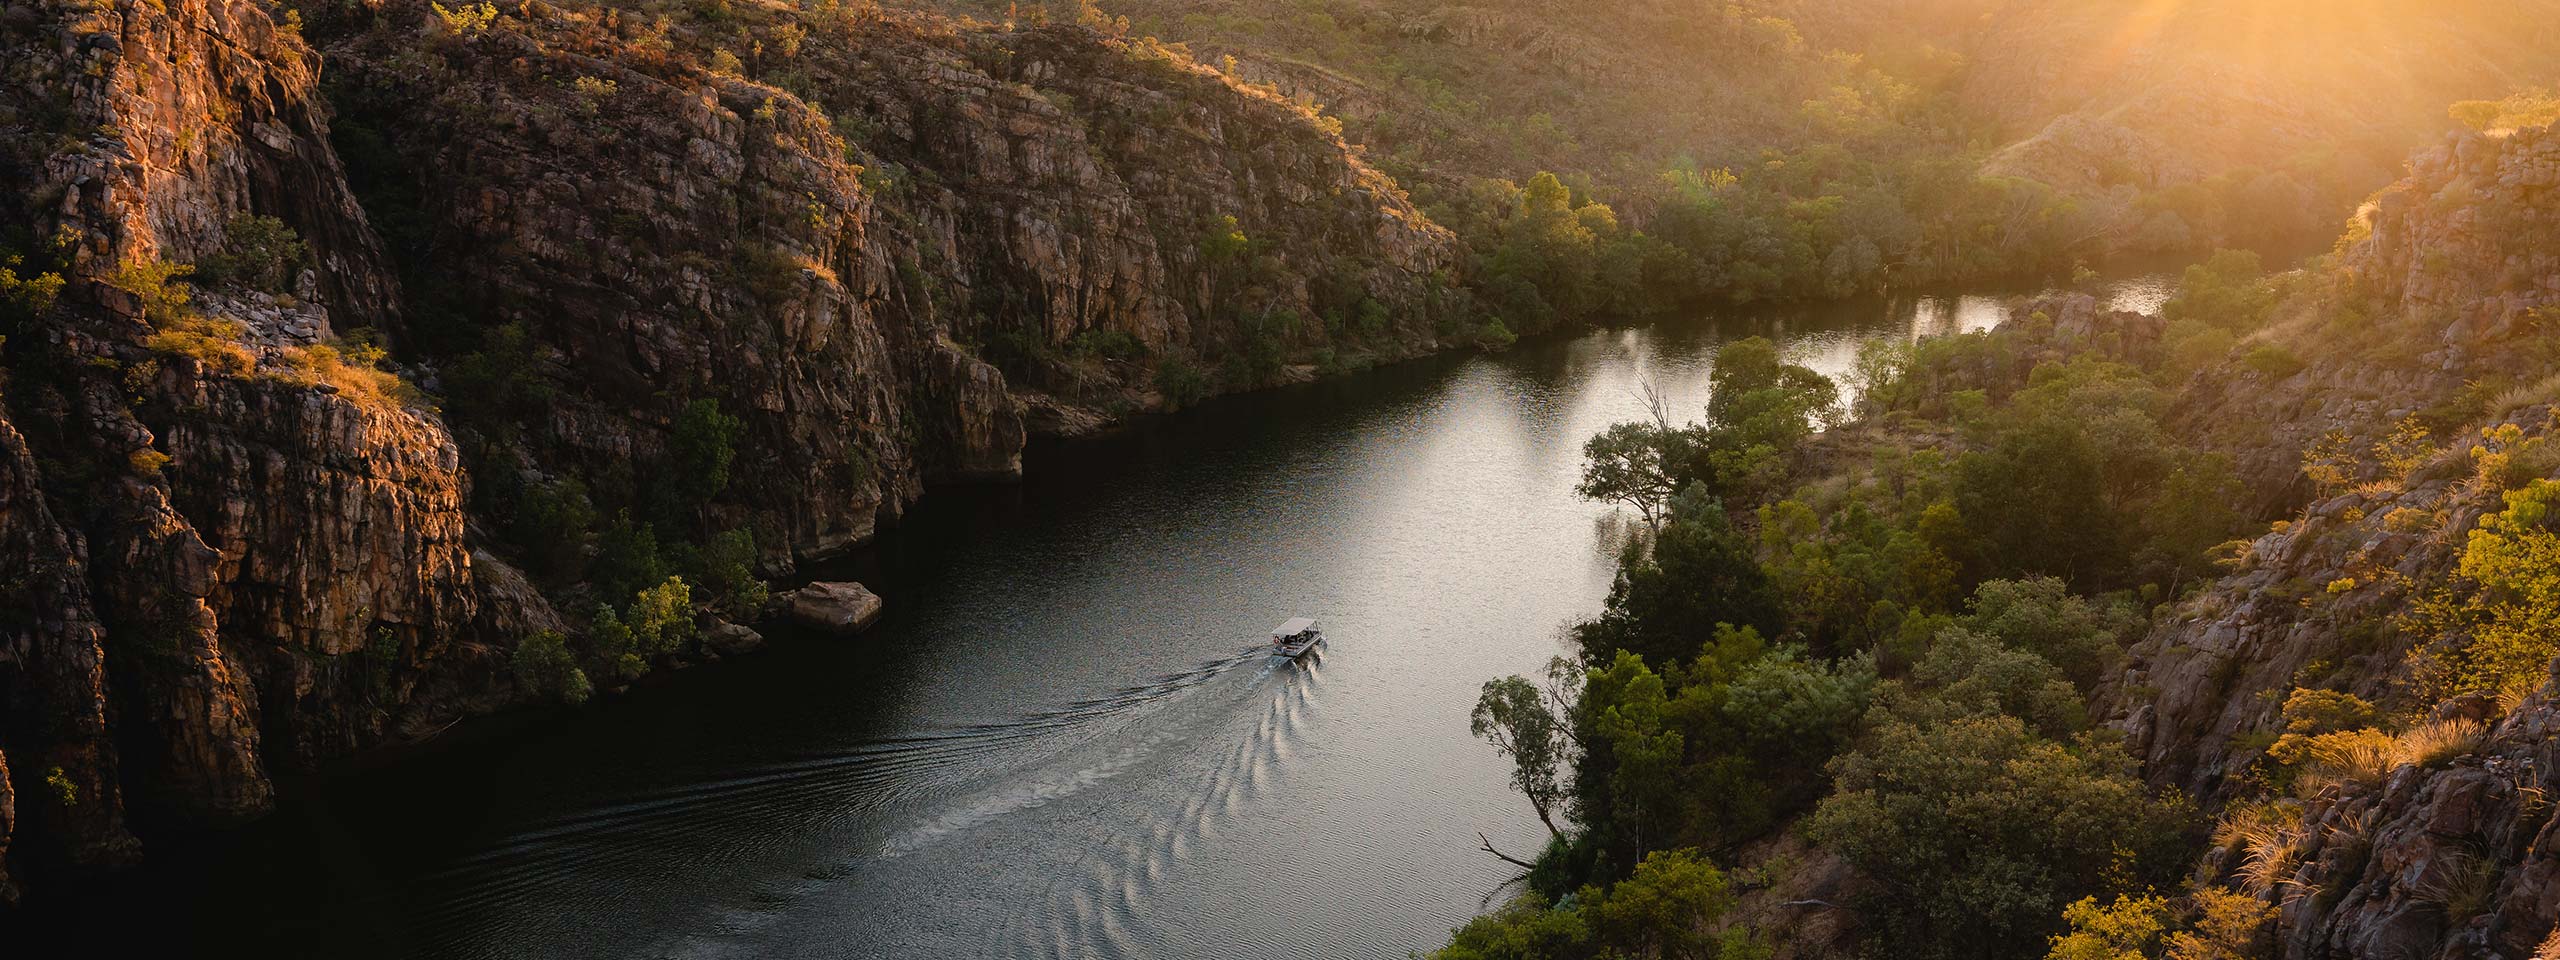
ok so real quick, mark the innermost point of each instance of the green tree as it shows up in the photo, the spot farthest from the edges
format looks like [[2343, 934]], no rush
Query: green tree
[[627, 558], [1641, 465], [703, 444], [1522, 723], [661, 618], [1976, 832], [543, 666], [615, 644], [259, 252], [2041, 615], [1761, 407], [727, 571], [1700, 573], [553, 520], [2036, 500], [1664, 910]]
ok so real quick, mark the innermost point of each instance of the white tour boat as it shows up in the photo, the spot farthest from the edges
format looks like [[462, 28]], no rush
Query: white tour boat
[[1294, 638]]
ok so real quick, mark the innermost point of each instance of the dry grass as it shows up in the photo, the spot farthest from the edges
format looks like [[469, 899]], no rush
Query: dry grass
[[2269, 836], [355, 379], [208, 343], [2466, 889], [2369, 755], [2519, 397], [2433, 743]]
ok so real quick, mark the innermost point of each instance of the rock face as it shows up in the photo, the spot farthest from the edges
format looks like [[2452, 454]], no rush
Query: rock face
[[2448, 856], [8, 825], [876, 255], [839, 608], [233, 556]]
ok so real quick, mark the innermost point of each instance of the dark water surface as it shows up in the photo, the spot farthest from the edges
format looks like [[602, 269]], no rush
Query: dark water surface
[[1060, 742]]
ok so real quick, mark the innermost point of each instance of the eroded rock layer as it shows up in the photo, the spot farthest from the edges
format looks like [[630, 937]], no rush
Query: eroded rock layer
[[878, 252]]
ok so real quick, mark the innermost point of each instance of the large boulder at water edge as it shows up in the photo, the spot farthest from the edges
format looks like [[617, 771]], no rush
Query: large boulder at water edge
[[841, 608]]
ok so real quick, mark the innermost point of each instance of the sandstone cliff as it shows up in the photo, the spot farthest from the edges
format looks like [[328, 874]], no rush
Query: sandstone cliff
[[882, 248], [2443, 846]]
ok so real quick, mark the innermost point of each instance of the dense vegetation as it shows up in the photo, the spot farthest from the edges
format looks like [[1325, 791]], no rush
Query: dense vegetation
[[1888, 658]]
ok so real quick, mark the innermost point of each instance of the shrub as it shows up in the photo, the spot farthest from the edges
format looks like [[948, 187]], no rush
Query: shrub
[[466, 19], [627, 558], [2528, 109], [544, 667], [2275, 362], [2309, 713], [216, 353], [25, 297], [259, 252], [350, 367], [704, 443], [2127, 929], [1181, 382], [2506, 600], [167, 301], [1107, 344], [661, 618], [727, 570]]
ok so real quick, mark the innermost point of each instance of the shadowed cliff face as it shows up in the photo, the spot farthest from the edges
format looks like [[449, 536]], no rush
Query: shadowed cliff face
[[847, 266], [227, 559]]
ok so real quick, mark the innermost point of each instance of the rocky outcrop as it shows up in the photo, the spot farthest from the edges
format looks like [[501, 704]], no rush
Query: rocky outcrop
[[876, 248], [838, 608], [235, 549], [2463, 242], [8, 826], [53, 683], [2449, 855], [2447, 851], [179, 115]]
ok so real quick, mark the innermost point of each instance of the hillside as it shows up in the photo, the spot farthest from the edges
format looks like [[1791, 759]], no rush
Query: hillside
[[2233, 124], [1893, 145]]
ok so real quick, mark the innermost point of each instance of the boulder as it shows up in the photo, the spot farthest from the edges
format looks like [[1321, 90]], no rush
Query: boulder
[[840, 608], [730, 639]]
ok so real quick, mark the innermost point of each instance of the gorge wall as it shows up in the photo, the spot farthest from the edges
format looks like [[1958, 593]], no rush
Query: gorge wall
[[2443, 850], [884, 248]]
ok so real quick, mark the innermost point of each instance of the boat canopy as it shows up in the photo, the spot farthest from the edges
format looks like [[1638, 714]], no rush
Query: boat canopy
[[1294, 627]]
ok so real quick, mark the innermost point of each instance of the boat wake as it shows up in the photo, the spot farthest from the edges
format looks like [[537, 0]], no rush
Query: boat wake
[[942, 783]]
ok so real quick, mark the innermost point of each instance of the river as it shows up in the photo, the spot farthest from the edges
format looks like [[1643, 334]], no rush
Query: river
[[1061, 742]]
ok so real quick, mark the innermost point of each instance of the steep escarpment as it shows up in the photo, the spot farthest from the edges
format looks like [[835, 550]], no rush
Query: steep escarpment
[[230, 555], [2408, 587], [634, 290], [879, 251]]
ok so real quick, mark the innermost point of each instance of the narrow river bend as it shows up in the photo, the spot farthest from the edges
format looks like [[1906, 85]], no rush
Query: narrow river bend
[[1060, 742]]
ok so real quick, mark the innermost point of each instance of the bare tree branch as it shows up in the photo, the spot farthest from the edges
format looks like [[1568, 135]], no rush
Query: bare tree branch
[[1504, 857]]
